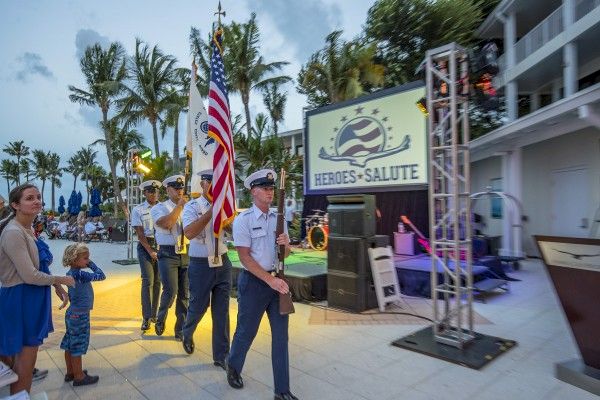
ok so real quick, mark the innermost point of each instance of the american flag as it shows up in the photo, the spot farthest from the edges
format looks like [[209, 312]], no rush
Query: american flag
[[219, 128]]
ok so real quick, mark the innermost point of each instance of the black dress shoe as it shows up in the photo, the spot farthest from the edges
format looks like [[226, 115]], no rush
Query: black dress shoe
[[285, 396], [159, 328], [178, 336], [188, 345], [234, 379], [145, 325], [220, 364]]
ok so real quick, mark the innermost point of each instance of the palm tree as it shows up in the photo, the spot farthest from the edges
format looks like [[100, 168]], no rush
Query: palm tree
[[180, 104], [245, 68], [264, 149], [340, 71], [40, 161], [160, 167], [24, 168], [9, 170], [87, 158], [152, 76], [19, 150], [123, 140], [54, 174], [104, 70], [201, 52], [74, 168], [275, 103]]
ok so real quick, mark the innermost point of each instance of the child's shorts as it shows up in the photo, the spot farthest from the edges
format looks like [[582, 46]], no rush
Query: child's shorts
[[77, 337]]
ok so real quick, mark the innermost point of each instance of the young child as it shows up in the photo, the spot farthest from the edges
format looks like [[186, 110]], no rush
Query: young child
[[77, 318]]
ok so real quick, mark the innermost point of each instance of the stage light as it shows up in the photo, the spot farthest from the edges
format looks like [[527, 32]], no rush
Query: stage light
[[142, 168], [145, 153], [422, 106]]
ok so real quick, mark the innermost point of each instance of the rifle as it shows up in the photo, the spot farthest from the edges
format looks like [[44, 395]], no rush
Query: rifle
[[286, 306]]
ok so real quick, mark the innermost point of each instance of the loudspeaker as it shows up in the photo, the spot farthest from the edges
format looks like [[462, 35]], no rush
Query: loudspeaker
[[349, 254], [350, 291], [351, 215], [118, 232]]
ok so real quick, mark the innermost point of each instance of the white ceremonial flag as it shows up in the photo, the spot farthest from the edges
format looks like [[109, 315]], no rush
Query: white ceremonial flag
[[198, 142]]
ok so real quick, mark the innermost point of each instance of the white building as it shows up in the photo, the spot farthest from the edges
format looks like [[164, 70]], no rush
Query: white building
[[547, 156]]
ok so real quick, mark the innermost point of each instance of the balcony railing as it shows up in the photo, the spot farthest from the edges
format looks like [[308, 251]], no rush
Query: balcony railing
[[583, 7], [545, 31]]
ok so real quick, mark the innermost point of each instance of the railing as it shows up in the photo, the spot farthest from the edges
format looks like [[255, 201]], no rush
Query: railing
[[583, 7], [545, 31]]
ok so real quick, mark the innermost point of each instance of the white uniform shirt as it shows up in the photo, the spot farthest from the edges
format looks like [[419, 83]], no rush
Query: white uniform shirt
[[165, 237], [192, 211], [256, 230], [89, 228], [140, 216]]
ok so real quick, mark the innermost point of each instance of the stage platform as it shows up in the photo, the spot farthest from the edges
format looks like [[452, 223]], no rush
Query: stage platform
[[306, 271], [414, 276]]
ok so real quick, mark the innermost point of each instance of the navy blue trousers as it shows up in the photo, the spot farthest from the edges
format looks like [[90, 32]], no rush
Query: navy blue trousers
[[210, 286], [150, 283], [255, 298], [174, 278]]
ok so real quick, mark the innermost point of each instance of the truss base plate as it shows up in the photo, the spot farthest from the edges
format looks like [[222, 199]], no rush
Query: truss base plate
[[476, 354]]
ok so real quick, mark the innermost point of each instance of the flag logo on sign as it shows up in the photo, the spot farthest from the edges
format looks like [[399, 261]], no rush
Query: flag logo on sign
[[362, 139]]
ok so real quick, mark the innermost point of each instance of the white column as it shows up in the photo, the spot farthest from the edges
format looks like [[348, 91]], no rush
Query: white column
[[570, 68], [511, 93], [512, 231], [555, 91], [293, 152], [534, 100], [511, 96], [510, 38], [568, 12]]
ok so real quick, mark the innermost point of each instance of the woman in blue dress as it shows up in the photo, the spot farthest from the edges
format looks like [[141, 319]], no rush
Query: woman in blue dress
[[25, 293]]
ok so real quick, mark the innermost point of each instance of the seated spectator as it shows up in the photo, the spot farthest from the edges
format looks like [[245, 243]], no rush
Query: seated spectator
[[99, 226]]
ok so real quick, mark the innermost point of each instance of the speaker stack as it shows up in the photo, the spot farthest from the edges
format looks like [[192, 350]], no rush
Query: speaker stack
[[351, 232]]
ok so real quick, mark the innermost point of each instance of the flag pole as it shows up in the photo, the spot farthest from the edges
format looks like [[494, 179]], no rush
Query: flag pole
[[216, 255]]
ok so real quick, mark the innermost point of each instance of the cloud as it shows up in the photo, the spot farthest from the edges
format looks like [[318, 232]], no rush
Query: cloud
[[31, 64], [91, 116], [86, 38], [302, 23]]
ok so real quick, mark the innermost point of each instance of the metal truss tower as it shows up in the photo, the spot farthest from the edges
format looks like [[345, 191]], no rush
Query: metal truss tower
[[134, 197], [449, 194]]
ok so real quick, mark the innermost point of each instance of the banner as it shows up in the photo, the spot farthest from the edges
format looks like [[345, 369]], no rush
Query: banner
[[373, 143], [198, 142]]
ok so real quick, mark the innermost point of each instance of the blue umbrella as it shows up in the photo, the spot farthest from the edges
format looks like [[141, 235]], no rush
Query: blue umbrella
[[72, 203], [77, 203], [61, 204], [95, 201]]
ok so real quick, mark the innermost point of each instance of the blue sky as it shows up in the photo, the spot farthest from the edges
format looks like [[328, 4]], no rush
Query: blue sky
[[42, 41]]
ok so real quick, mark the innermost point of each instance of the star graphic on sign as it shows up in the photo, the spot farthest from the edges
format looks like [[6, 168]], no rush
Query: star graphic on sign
[[360, 176], [332, 139], [384, 119], [344, 119], [389, 128], [335, 129], [359, 110], [375, 111]]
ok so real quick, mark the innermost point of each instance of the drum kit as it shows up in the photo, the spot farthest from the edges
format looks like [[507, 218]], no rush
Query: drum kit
[[317, 230]]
